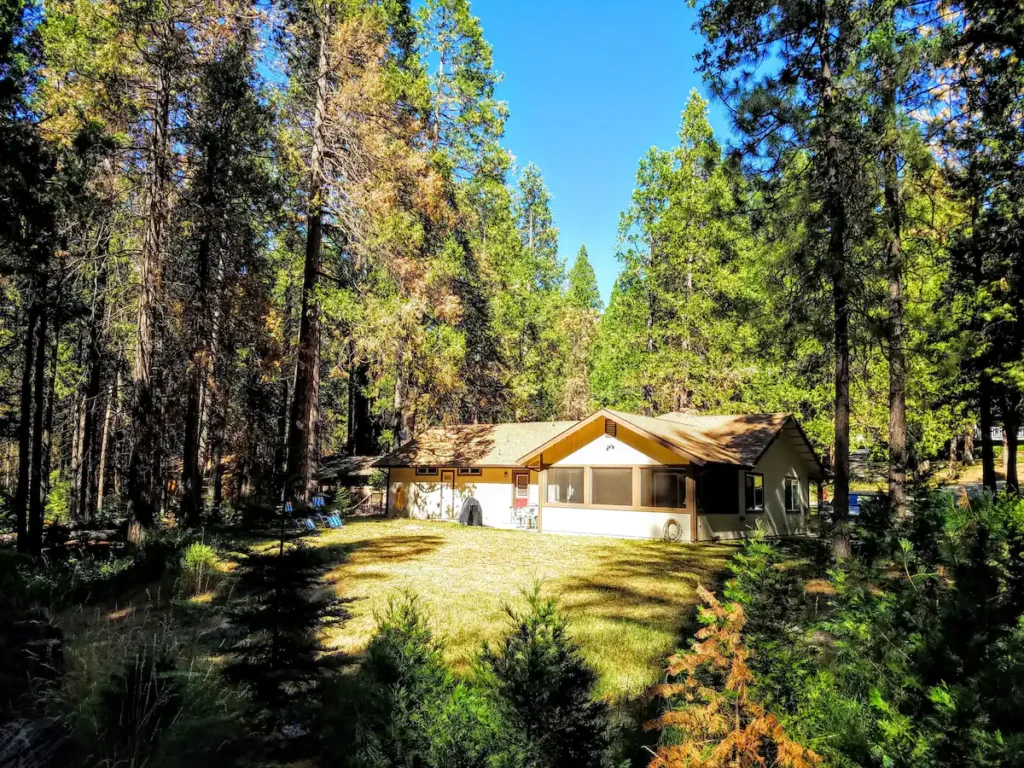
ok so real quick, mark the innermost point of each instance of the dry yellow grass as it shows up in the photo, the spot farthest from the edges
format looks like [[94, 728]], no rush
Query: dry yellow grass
[[629, 601]]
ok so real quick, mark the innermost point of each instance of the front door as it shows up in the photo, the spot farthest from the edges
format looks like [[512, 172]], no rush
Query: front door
[[520, 489], [447, 494]]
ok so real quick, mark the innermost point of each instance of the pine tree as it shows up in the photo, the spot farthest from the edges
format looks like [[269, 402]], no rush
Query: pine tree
[[279, 656], [713, 720], [582, 291]]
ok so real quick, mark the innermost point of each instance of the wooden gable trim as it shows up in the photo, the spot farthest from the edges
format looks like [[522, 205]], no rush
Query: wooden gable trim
[[606, 414]]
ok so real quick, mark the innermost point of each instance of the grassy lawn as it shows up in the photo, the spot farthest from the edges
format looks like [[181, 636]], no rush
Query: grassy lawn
[[630, 601]]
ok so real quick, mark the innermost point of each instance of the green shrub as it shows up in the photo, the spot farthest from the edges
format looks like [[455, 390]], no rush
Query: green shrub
[[916, 656], [277, 655], [414, 712], [545, 688], [198, 565]]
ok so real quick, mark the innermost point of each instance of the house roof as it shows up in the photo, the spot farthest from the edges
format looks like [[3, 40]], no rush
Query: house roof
[[342, 466], [747, 436], [472, 445], [739, 439]]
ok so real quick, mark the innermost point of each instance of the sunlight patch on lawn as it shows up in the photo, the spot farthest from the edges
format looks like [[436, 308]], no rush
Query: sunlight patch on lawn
[[629, 601]]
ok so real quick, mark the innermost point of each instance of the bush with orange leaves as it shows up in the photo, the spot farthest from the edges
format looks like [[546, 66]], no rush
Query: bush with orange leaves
[[712, 721]]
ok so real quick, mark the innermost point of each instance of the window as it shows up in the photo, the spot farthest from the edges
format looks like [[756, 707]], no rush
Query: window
[[611, 486], [475, 471], [663, 488], [755, 492], [426, 470], [522, 485], [794, 500], [565, 486]]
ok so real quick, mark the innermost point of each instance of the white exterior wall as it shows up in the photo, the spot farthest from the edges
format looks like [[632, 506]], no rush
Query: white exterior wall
[[422, 494], [607, 451], [623, 523], [781, 460]]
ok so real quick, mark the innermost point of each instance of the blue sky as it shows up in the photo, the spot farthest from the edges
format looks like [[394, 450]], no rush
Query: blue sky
[[591, 86]]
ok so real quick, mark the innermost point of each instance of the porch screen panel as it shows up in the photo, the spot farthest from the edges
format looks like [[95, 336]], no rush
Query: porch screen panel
[[565, 486], [612, 486], [663, 488]]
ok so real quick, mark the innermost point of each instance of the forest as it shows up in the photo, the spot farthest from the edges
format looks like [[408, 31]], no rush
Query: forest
[[239, 238]]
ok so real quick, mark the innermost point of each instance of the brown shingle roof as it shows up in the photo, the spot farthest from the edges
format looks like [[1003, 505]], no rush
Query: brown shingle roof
[[734, 439], [730, 439], [472, 445]]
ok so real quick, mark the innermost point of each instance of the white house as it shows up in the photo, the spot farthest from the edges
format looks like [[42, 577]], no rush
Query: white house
[[615, 474]]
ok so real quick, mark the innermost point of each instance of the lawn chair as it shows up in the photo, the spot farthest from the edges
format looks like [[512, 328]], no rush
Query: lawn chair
[[525, 517]]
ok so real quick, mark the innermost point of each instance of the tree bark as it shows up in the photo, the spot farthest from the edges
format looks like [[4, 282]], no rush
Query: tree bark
[[105, 442], [968, 455], [37, 499], [986, 422], [198, 373], [1010, 427], [87, 492], [894, 268], [144, 472], [21, 495], [835, 207], [305, 395], [51, 397]]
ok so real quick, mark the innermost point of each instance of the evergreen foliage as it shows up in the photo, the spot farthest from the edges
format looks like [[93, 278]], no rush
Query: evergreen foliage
[[909, 656], [417, 713], [546, 688], [278, 655]]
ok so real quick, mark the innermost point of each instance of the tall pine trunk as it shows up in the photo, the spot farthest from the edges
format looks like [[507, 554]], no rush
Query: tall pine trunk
[[108, 418], [143, 474], [835, 206], [305, 395], [37, 498], [894, 269], [21, 495], [87, 491], [1011, 425]]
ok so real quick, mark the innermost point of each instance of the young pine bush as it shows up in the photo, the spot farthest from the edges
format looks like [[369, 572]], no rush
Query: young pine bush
[[414, 712], [198, 565], [545, 687], [278, 655], [712, 720]]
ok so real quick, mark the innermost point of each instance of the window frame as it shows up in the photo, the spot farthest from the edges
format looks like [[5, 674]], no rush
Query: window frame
[[584, 489], [470, 471], [753, 510], [426, 471], [589, 497], [687, 475], [798, 496]]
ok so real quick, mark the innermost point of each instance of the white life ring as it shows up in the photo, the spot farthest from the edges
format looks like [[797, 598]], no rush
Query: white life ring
[[673, 531]]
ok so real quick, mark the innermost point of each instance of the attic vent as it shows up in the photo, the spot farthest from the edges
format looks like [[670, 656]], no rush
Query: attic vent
[[610, 427]]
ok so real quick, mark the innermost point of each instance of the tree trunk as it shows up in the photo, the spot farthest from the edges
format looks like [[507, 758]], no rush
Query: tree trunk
[[21, 496], [105, 442], [836, 210], [894, 268], [1006, 451], [1010, 427], [986, 422], [51, 397], [648, 390], [87, 492], [968, 455], [144, 471], [198, 373], [37, 499], [303, 419]]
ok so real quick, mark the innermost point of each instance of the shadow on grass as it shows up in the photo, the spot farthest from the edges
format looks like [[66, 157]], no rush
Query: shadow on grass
[[628, 588]]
